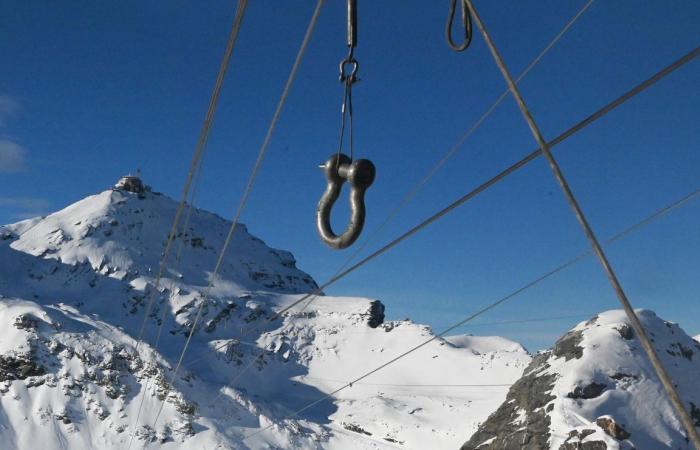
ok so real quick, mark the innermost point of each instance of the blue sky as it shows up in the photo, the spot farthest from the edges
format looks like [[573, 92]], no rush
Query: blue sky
[[92, 90]]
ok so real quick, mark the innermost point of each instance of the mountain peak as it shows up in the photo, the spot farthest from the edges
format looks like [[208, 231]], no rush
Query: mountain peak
[[122, 233], [595, 390]]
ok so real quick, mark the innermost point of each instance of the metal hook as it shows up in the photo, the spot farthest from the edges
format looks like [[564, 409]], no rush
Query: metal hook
[[466, 24], [360, 174]]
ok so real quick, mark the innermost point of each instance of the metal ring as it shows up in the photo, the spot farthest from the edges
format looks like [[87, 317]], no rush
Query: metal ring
[[352, 76]]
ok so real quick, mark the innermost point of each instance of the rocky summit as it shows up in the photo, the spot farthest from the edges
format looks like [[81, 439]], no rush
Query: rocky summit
[[596, 390]]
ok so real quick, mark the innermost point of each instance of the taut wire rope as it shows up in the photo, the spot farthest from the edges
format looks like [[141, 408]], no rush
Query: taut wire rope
[[490, 182], [246, 195], [194, 167], [672, 393], [655, 215]]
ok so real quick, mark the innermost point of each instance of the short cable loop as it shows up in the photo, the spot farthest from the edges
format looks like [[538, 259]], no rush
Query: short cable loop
[[466, 24], [349, 77]]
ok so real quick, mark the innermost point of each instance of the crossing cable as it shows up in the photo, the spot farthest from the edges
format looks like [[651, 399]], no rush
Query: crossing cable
[[176, 267], [674, 398], [457, 146], [487, 184], [493, 180], [197, 155], [655, 215], [245, 196], [194, 168]]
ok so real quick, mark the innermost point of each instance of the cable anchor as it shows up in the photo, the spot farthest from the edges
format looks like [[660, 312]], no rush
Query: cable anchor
[[359, 174]]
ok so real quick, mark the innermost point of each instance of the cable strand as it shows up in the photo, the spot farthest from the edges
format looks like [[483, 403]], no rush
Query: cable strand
[[667, 383], [245, 195]]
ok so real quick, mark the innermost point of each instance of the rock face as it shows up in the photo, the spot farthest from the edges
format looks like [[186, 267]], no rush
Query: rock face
[[595, 390], [76, 285]]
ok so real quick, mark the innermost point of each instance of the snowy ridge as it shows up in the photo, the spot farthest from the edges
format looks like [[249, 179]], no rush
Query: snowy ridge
[[73, 292], [596, 390]]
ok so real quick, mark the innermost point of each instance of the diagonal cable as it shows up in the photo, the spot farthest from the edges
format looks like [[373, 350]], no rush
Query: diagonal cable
[[246, 194], [664, 377], [194, 168]]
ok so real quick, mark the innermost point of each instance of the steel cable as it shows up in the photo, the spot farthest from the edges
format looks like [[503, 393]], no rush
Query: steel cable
[[194, 168], [245, 195], [664, 377]]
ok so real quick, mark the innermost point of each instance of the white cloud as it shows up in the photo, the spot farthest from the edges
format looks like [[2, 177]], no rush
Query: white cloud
[[12, 156], [8, 108]]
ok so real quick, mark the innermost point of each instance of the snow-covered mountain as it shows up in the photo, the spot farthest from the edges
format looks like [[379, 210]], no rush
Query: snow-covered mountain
[[596, 390], [74, 287]]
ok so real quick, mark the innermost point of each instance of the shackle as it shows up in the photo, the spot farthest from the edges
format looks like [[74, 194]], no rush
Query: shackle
[[359, 174]]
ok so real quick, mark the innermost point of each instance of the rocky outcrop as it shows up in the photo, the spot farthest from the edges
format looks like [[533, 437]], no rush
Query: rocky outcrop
[[594, 389]]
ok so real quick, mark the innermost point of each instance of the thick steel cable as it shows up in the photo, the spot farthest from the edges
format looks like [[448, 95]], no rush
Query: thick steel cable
[[674, 398], [650, 218], [246, 195], [457, 146], [492, 181], [194, 168]]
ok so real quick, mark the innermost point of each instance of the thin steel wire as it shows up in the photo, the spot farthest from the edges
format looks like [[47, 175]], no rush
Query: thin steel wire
[[194, 168], [669, 387], [246, 194], [655, 215]]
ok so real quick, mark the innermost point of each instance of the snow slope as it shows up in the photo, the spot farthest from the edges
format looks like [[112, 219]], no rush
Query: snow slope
[[73, 291], [596, 390]]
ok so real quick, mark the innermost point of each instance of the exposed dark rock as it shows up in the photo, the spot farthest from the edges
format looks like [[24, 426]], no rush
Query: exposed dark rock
[[695, 413], [18, 368], [612, 428], [530, 394], [25, 322], [574, 441], [589, 391], [626, 332], [590, 445], [569, 346], [356, 428], [623, 376], [376, 314], [681, 350]]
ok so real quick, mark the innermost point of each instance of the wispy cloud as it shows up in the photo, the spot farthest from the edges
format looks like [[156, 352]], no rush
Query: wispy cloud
[[12, 156], [8, 108], [20, 208]]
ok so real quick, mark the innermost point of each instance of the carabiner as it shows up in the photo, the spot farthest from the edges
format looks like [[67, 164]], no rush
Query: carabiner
[[360, 174]]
